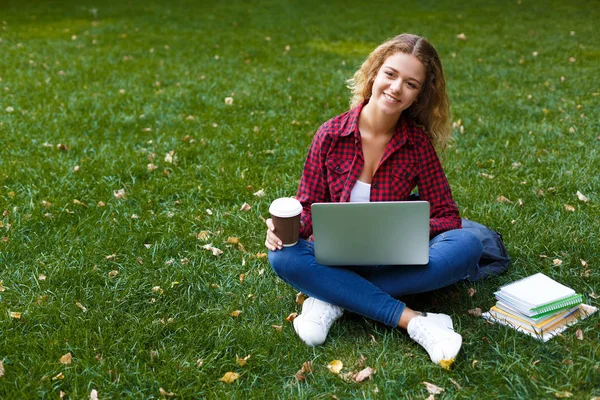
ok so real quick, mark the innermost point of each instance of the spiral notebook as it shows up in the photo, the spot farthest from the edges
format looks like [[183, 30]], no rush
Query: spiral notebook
[[538, 295]]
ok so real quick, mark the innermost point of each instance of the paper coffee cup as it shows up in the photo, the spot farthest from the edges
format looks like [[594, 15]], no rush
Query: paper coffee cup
[[285, 213]]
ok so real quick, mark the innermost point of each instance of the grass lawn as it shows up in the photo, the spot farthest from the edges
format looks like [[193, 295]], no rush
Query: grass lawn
[[121, 160]]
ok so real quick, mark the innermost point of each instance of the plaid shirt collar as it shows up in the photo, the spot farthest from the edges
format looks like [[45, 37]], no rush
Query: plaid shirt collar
[[400, 137]]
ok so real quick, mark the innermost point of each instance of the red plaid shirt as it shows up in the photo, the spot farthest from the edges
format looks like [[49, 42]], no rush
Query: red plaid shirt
[[335, 161]]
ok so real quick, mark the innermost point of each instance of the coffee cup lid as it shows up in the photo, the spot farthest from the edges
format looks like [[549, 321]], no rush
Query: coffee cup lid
[[285, 207]]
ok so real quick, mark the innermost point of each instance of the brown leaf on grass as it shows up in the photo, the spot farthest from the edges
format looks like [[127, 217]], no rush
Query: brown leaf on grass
[[472, 292], [15, 315], [563, 395], [94, 394], [232, 240], [364, 374], [261, 255], [60, 376], [152, 167], [119, 194], [41, 277], [569, 207], [557, 262], [242, 361], [433, 389], [203, 235], [245, 207], [291, 317], [474, 363], [235, 313], [164, 393], [46, 204], [583, 263], [502, 199], [158, 290], [66, 359], [476, 312], [461, 36], [520, 203], [278, 328], [139, 260], [594, 296], [307, 368], [300, 297], [215, 251], [230, 377], [101, 204], [78, 304], [2, 287], [79, 203], [486, 176], [458, 387], [260, 193], [242, 277], [110, 257], [581, 197], [579, 334], [170, 157], [335, 366], [229, 101], [1, 369]]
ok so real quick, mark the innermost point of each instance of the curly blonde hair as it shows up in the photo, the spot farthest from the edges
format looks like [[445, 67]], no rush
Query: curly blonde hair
[[432, 108]]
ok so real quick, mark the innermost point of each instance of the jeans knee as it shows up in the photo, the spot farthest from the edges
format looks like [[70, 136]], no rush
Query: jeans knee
[[472, 244], [280, 262]]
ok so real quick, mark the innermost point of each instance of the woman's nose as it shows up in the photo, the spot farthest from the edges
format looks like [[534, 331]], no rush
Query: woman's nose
[[396, 85]]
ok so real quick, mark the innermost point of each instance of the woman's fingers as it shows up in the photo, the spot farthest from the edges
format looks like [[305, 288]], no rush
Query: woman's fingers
[[272, 242]]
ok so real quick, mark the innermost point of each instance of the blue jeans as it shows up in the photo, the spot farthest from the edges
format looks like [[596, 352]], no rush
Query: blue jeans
[[371, 291]]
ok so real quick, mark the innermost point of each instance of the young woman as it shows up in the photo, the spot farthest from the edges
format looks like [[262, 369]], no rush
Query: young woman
[[381, 150]]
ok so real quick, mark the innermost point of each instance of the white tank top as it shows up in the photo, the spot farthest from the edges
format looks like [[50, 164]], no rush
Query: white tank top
[[360, 192]]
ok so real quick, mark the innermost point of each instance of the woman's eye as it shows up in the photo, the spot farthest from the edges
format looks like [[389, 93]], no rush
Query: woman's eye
[[389, 74], [412, 85]]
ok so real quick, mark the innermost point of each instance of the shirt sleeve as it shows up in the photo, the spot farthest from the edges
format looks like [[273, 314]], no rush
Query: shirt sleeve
[[313, 184], [434, 188]]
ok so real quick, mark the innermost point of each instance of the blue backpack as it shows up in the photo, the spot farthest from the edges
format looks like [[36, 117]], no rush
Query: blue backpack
[[494, 259]]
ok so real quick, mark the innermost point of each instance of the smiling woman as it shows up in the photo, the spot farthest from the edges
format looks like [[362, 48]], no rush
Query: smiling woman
[[381, 150]]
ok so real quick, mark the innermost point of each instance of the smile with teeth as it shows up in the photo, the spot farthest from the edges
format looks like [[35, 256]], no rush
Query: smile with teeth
[[390, 98]]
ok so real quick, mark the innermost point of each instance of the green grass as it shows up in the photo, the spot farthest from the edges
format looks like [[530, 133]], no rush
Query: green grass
[[116, 84]]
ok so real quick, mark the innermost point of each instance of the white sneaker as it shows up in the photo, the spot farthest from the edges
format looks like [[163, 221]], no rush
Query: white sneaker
[[441, 319], [442, 343], [312, 326]]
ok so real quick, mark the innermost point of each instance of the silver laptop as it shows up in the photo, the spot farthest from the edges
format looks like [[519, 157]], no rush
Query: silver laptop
[[377, 233]]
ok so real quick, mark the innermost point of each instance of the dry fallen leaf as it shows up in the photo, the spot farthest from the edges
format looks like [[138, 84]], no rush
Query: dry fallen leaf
[[300, 297], [203, 235], [119, 194], [1, 369], [242, 277], [66, 359], [215, 251], [579, 334], [164, 393], [502, 199], [235, 313], [245, 207], [2, 287], [113, 273], [306, 369], [476, 312], [260, 193], [41, 277], [291, 317], [581, 197], [461, 36], [569, 207], [157, 290], [583, 263], [242, 361], [78, 304], [151, 167], [230, 377], [59, 376], [335, 366], [364, 374], [563, 395], [94, 394], [170, 157], [278, 328], [15, 315], [487, 176], [557, 262], [229, 101], [433, 389], [232, 240], [472, 292], [261, 255]]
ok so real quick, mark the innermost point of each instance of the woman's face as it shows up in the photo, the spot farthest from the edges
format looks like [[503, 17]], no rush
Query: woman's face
[[398, 83]]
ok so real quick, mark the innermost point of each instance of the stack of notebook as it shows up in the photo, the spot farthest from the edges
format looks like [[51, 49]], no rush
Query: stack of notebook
[[539, 306]]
